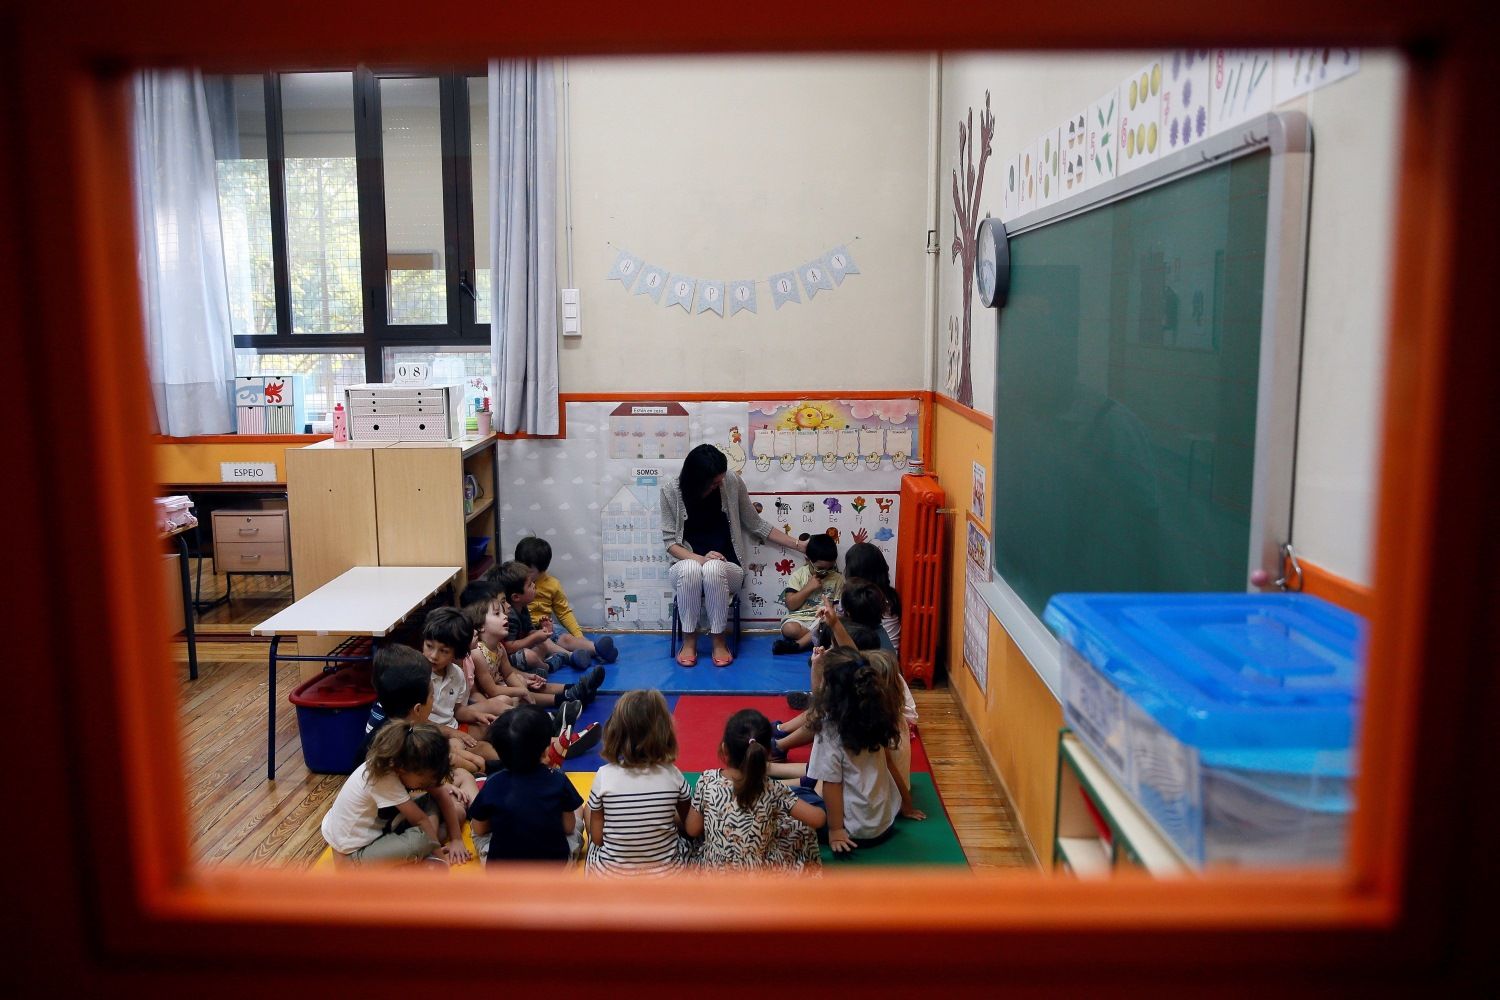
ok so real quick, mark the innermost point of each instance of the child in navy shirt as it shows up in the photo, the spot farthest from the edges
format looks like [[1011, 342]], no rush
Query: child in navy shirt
[[529, 811]]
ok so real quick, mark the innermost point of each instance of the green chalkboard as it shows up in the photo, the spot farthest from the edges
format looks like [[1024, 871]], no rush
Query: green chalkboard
[[1127, 368]]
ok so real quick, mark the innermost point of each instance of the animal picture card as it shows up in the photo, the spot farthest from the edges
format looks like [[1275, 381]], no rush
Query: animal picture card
[[1073, 137], [1184, 99], [1140, 116], [1240, 86], [1298, 71], [1026, 177], [1049, 167], [1099, 150], [846, 517]]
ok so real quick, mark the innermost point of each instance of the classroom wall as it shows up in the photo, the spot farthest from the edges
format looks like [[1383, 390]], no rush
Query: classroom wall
[[1015, 717], [730, 168], [1354, 125]]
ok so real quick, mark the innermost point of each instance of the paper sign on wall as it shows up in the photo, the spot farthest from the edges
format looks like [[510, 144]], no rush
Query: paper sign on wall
[[247, 472], [976, 634]]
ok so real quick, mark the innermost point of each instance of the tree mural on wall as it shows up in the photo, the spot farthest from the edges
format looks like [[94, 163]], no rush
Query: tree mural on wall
[[966, 224]]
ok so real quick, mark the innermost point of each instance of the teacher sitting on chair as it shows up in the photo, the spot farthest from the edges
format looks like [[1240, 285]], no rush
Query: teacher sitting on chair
[[705, 515]]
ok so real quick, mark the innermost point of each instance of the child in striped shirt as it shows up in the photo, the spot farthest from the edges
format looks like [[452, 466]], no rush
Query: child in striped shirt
[[640, 799]]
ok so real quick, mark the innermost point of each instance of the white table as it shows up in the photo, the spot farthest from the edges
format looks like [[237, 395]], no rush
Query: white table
[[366, 601]]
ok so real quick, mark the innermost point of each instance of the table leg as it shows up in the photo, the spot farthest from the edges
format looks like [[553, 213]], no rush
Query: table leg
[[271, 712], [189, 609]]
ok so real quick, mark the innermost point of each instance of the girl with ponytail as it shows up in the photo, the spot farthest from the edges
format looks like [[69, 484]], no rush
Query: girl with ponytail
[[747, 820], [856, 721]]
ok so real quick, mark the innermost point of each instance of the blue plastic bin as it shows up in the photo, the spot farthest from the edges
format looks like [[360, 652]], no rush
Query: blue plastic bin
[[332, 710], [1231, 718]]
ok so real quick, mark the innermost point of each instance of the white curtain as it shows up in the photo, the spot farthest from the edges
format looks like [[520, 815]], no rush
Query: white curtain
[[184, 292], [523, 245]]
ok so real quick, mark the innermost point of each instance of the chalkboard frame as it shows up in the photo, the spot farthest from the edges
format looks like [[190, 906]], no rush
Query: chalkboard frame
[[1287, 136]]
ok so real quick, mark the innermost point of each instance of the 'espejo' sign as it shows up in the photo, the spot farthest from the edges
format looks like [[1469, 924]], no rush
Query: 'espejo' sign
[[247, 472]]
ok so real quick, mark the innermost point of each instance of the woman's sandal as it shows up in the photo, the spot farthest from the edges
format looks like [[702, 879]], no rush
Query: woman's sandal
[[690, 661], [723, 661]]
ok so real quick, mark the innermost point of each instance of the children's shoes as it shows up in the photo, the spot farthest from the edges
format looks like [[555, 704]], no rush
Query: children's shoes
[[604, 649], [785, 647]]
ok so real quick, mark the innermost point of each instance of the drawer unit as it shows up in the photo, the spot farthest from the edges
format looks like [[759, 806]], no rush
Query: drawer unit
[[382, 412], [252, 557], [251, 541]]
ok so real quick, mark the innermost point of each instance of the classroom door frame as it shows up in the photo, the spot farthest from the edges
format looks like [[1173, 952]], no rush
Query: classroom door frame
[[118, 899]]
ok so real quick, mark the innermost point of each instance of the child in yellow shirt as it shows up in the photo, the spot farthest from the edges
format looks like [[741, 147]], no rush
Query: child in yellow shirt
[[551, 603]]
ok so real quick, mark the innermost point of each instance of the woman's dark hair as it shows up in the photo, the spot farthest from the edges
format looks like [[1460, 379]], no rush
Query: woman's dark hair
[[519, 737], [863, 602], [534, 552], [822, 548], [702, 464], [747, 748], [854, 703], [865, 561]]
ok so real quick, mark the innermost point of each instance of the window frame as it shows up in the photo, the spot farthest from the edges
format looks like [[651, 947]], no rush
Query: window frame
[[461, 327], [132, 906]]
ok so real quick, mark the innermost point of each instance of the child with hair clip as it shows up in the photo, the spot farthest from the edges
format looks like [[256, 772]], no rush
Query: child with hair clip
[[377, 818], [747, 820], [526, 811], [639, 799], [496, 676], [864, 561], [856, 721]]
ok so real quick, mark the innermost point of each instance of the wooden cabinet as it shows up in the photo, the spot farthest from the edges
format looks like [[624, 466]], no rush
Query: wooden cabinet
[[389, 503]]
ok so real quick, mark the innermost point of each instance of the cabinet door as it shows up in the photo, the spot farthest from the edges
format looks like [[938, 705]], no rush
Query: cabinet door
[[331, 503], [419, 504]]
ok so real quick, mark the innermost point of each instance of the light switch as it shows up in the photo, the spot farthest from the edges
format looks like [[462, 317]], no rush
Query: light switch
[[570, 310], [570, 296]]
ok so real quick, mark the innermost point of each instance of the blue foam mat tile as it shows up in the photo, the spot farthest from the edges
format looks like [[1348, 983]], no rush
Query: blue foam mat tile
[[599, 712], [645, 663]]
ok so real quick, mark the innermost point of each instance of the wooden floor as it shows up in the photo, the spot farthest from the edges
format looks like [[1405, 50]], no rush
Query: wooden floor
[[239, 817]]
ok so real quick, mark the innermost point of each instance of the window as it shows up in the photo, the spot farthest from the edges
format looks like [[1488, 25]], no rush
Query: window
[[470, 365], [352, 204], [324, 375]]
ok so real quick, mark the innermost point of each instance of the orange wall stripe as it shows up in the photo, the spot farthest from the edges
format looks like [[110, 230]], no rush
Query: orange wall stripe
[[1347, 594], [949, 403]]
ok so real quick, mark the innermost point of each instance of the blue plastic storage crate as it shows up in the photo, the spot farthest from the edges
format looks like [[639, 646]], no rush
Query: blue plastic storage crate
[[332, 710], [1231, 718]]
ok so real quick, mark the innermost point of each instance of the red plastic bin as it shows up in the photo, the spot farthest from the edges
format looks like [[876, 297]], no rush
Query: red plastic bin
[[332, 710]]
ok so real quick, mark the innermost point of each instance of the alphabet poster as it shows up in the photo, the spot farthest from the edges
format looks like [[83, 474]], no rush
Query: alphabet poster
[[848, 517]]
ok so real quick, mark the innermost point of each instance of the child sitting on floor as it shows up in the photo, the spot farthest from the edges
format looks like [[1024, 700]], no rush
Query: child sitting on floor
[[530, 645], [377, 818], [856, 721], [747, 821], [446, 638], [403, 693], [528, 811], [865, 561], [551, 603], [812, 584], [495, 671], [639, 798]]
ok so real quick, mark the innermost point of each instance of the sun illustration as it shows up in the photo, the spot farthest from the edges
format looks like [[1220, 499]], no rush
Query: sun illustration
[[810, 416]]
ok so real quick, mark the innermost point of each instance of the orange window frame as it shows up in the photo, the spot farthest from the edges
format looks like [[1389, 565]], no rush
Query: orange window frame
[[122, 898]]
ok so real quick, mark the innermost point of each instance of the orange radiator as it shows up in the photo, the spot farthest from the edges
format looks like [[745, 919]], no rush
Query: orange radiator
[[919, 575]]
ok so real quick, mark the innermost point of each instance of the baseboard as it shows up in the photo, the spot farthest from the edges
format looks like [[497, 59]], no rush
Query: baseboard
[[993, 768]]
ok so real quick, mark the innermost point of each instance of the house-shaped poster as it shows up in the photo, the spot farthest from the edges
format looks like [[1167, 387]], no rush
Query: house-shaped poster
[[649, 431]]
